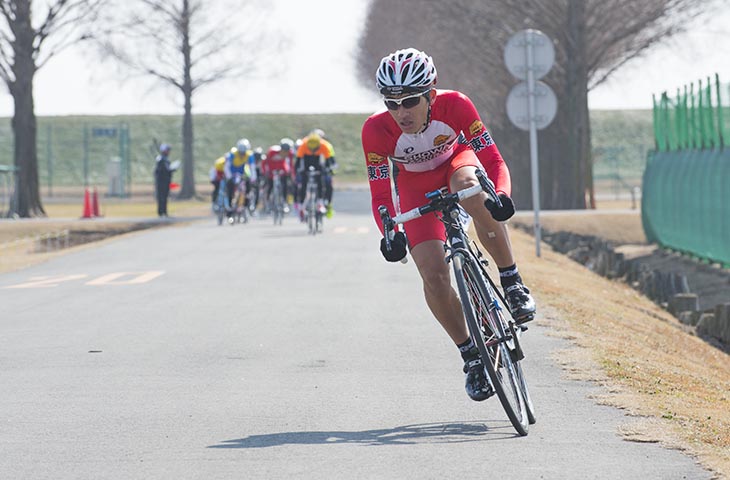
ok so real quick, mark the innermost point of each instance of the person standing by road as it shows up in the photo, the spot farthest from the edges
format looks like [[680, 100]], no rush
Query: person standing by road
[[163, 176]]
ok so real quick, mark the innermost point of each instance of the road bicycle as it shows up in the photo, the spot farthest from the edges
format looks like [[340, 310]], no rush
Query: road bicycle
[[490, 324], [314, 209]]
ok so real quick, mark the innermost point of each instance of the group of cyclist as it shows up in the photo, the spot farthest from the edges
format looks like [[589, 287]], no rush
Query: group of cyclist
[[250, 170]]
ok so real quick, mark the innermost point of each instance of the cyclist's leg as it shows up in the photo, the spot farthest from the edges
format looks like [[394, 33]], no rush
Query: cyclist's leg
[[269, 188], [257, 191], [285, 192], [230, 188], [440, 296], [321, 185], [426, 237], [216, 186], [328, 188], [301, 188], [492, 234]]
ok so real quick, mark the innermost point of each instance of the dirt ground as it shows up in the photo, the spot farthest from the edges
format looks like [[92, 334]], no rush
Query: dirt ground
[[674, 387]]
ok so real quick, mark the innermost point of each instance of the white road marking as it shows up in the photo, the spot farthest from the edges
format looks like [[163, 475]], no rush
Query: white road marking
[[136, 279], [357, 230], [46, 281]]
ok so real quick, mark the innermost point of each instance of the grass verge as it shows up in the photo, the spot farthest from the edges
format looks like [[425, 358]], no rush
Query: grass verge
[[675, 386]]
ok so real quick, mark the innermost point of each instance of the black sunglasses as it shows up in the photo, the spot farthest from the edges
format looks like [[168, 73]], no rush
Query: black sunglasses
[[407, 102]]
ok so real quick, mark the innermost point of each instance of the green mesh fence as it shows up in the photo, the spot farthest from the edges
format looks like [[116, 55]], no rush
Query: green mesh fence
[[686, 188], [697, 117]]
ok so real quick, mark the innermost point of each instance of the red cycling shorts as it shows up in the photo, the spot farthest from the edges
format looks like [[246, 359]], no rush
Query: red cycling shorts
[[412, 190]]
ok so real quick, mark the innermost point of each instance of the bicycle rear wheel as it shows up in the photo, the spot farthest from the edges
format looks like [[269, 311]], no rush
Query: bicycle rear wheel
[[491, 335]]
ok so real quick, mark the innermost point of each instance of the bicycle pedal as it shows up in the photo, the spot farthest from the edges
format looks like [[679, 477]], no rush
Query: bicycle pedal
[[519, 321]]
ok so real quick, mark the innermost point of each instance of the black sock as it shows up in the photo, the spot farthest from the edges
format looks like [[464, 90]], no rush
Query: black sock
[[468, 350], [509, 276]]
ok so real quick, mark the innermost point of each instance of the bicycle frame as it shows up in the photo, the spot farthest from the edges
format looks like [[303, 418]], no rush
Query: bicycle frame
[[311, 201]]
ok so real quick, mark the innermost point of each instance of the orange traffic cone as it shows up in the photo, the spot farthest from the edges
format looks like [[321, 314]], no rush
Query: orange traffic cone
[[95, 204], [87, 205]]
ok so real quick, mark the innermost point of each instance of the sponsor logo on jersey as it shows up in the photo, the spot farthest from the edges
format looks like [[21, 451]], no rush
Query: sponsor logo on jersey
[[375, 158], [440, 139], [476, 127], [426, 156]]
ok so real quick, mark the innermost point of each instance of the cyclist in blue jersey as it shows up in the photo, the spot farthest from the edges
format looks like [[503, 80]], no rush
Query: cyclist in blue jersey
[[239, 167]]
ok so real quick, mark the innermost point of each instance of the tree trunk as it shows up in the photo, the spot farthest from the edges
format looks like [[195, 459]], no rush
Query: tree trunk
[[26, 156], [24, 120], [188, 180], [576, 104]]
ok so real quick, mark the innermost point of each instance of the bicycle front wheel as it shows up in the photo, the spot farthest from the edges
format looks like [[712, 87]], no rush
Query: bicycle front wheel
[[491, 335], [311, 221]]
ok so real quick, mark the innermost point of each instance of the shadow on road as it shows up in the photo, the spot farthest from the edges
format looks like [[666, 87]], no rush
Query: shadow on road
[[409, 434]]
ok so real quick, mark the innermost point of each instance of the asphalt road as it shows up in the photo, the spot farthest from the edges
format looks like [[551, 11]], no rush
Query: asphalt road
[[260, 352]]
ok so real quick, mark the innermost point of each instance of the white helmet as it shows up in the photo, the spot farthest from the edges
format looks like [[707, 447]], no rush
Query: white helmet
[[405, 71], [243, 145]]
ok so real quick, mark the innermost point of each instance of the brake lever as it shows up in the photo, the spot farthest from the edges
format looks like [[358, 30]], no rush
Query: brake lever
[[488, 186], [388, 229]]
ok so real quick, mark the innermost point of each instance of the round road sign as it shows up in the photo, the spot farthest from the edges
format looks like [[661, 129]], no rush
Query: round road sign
[[515, 53], [546, 105]]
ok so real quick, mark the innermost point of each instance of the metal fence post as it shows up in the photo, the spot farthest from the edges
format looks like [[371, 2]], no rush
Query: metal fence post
[[86, 155], [720, 124], [49, 160]]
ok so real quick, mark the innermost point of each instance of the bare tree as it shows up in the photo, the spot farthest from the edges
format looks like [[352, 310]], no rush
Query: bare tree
[[179, 44], [593, 38], [27, 42]]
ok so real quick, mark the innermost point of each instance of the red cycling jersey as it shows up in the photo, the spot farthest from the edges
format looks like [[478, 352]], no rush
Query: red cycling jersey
[[276, 160], [425, 161]]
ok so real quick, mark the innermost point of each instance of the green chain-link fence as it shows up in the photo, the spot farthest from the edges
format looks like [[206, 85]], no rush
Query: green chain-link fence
[[686, 188]]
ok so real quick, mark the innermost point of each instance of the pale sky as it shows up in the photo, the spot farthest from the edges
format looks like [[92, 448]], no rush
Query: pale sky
[[72, 85]]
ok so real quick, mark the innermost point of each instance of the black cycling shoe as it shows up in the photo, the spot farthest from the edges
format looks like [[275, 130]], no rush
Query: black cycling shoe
[[477, 385], [520, 303]]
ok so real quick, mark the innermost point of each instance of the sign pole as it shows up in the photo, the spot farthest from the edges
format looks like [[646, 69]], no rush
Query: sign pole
[[531, 104], [530, 61]]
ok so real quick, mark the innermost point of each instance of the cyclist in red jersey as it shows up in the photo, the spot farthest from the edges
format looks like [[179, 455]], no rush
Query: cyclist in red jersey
[[279, 157], [434, 139]]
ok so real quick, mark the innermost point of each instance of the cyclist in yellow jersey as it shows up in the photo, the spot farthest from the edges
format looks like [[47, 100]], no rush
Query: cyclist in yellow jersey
[[217, 175], [316, 152], [329, 170]]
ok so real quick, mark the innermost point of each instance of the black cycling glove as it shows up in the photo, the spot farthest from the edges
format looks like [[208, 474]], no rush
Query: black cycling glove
[[501, 213], [397, 248]]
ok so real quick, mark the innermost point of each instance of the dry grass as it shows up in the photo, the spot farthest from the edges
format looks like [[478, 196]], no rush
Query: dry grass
[[622, 228], [677, 385]]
